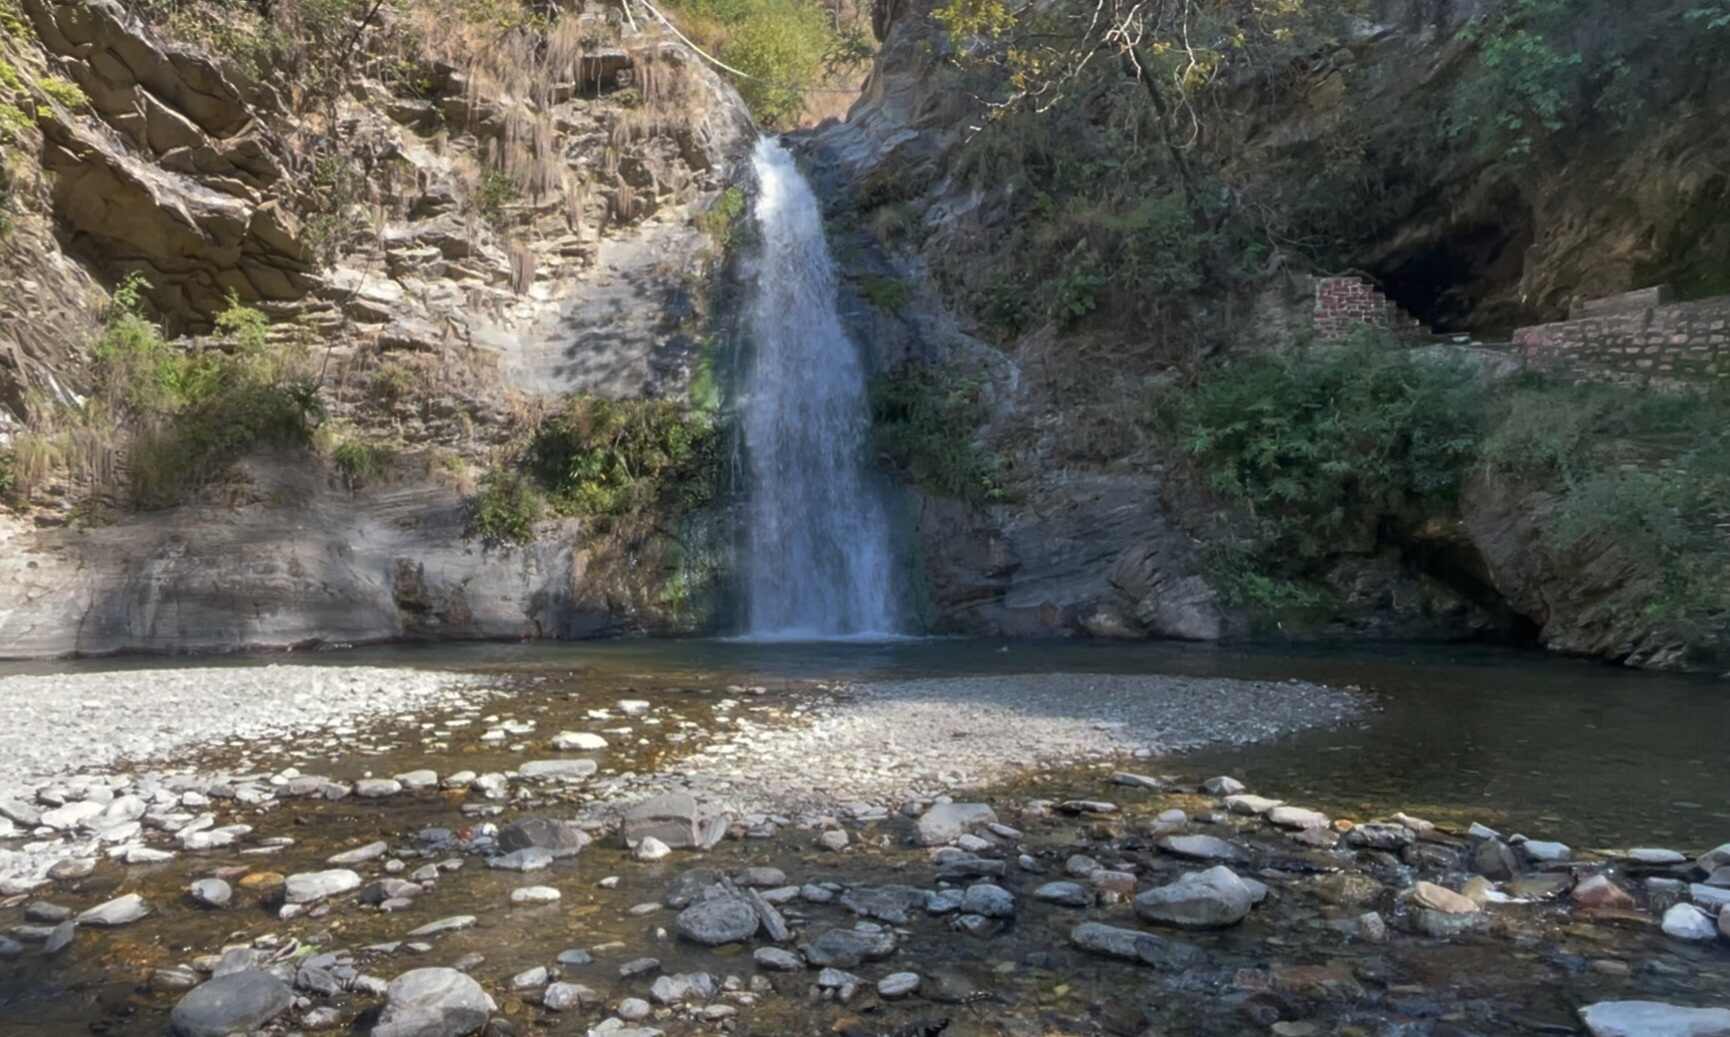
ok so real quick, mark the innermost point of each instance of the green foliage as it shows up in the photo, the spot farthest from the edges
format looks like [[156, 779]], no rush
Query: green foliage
[[610, 458], [782, 45], [1239, 573], [391, 383], [505, 509], [8, 474], [362, 463], [888, 294], [927, 423], [720, 220], [14, 122], [495, 192], [1324, 444], [63, 91], [1527, 79], [192, 413]]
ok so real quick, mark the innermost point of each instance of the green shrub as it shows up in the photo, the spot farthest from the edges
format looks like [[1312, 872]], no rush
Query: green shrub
[[8, 474], [362, 464], [505, 509], [601, 457], [927, 423], [63, 91], [720, 220], [1322, 445], [888, 294], [782, 45]]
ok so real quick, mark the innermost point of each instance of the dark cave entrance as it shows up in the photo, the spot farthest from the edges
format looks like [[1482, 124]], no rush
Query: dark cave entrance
[[1464, 278]]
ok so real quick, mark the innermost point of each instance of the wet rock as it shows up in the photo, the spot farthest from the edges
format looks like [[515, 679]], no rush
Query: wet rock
[[1380, 835], [557, 770], [71, 869], [638, 966], [988, 900], [1599, 892], [761, 878], [173, 979], [578, 742], [946, 822], [1713, 898], [319, 1020], [774, 925], [559, 838], [677, 820], [433, 1002], [444, 925], [1655, 856], [1081, 866], [1298, 818], [892, 904], [776, 959], [1222, 786], [317, 981], [419, 780], [1199, 900], [719, 920], [635, 1009], [849, 948], [239, 1001], [575, 957], [1371, 928], [360, 854], [1200, 848], [10, 948], [377, 788], [1439, 898], [1137, 781], [531, 979], [1545, 853], [563, 997], [535, 895], [1087, 806], [50, 914], [1133, 945], [834, 840], [117, 912], [898, 985], [944, 901], [1687, 922], [677, 989], [1495, 860], [1251, 806], [60, 939], [1654, 1019], [532, 859], [211, 893], [1712, 860], [650, 848], [309, 887], [1067, 894]]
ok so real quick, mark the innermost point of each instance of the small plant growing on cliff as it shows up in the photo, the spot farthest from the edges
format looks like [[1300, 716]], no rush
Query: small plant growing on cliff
[[64, 92], [601, 457], [720, 220], [927, 423], [505, 509], [8, 474]]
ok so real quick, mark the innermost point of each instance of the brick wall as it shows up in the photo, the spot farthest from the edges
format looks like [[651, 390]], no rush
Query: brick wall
[[1687, 341], [1344, 304]]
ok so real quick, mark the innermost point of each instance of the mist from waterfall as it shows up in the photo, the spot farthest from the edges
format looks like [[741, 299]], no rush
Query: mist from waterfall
[[819, 563]]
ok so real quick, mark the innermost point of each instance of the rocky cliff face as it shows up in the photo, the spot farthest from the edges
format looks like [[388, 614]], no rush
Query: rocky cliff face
[[457, 246], [1103, 533]]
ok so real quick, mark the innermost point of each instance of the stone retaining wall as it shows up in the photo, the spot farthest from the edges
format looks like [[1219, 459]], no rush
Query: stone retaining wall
[[1687, 341]]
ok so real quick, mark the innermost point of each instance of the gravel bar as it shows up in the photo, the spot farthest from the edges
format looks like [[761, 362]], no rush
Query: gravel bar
[[78, 722]]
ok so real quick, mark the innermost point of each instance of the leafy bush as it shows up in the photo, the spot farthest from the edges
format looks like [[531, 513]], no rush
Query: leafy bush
[[505, 510], [888, 294], [361, 463], [782, 45], [601, 457], [63, 91], [1321, 445], [927, 422]]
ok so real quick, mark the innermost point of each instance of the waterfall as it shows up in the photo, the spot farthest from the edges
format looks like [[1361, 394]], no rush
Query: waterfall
[[818, 562]]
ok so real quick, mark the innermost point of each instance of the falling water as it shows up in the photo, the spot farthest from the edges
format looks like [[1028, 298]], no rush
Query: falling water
[[819, 559]]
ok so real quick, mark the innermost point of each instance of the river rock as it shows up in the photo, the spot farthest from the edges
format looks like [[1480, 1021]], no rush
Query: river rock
[[1200, 848], [1493, 859], [562, 997], [1380, 835], [1598, 891], [685, 986], [1712, 860], [237, 1002], [377, 788], [535, 895], [989, 901], [578, 742], [360, 854], [776, 959], [1654, 1019], [1545, 853], [1656, 856], [433, 1002], [559, 838], [117, 912], [1251, 806], [557, 770], [897, 985], [891, 904], [834, 840], [1440, 898], [72, 815], [1068, 894], [1687, 922], [718, 920], [211, 892], [945, 822], [1297, 817], [675, 819], [312, 886], [1222, 786], [1133, 945], [532, 858], [70, 869], [1713, 898], [1199, 900], [416, 781], [444, 925], [650, 848], [849, 948]]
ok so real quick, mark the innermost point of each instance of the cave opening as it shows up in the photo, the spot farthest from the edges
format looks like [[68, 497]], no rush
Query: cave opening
[[1465, 279]]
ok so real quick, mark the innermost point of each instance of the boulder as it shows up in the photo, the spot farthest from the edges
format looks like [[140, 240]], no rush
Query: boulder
[[238, 1002], [559, 838], [433, 1002], [718, 920], [946, 822], [1207, 899], [1654, 1019], [677, 820]]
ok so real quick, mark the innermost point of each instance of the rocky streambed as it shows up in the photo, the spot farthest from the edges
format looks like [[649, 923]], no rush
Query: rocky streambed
[[1015, 856]]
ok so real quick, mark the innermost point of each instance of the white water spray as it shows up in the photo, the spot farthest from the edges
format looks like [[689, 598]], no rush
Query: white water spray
[[819, 563]]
